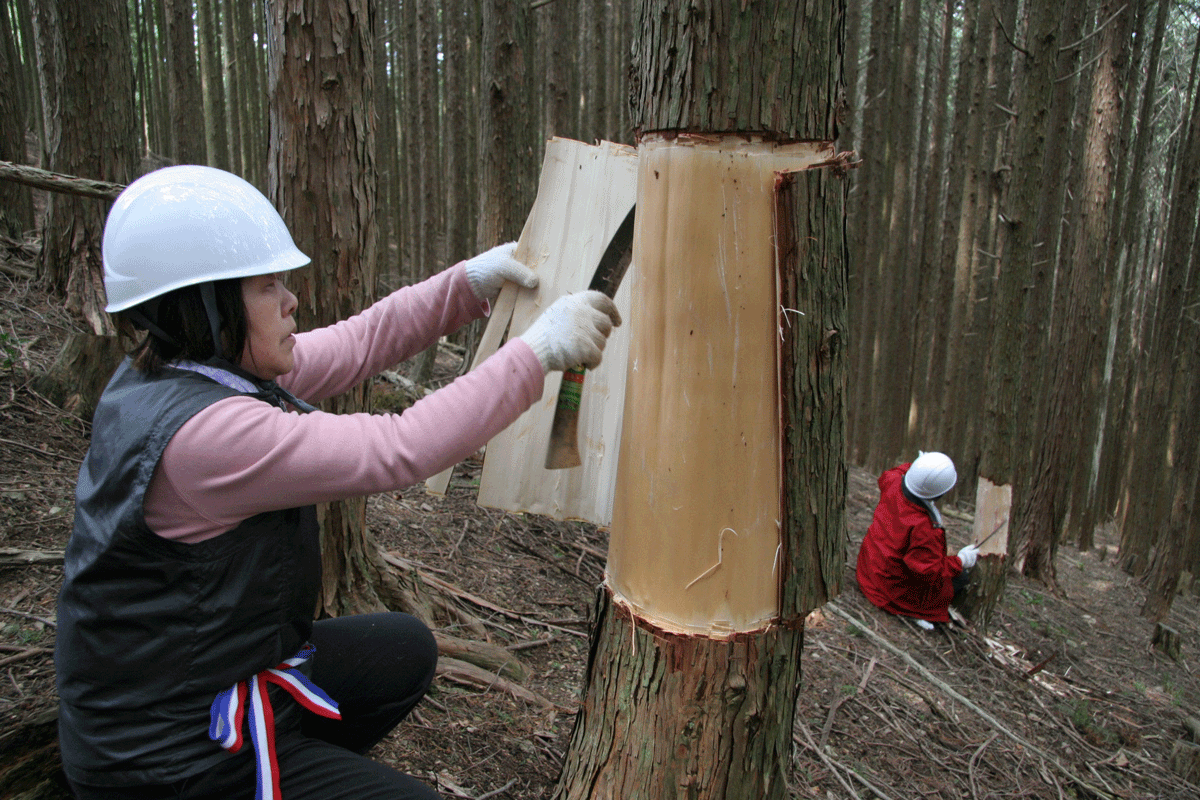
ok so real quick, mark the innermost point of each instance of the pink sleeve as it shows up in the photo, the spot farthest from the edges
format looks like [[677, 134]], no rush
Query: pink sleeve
[[331, 360], [241, 456]]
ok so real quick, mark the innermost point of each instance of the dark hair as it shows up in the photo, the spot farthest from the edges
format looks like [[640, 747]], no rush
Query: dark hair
[[180, 314]]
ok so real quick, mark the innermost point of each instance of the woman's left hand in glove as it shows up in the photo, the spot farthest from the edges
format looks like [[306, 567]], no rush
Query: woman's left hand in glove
[[488, 271]]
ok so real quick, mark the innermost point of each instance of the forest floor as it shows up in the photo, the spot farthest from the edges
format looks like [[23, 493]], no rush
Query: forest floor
[[1064, 698]]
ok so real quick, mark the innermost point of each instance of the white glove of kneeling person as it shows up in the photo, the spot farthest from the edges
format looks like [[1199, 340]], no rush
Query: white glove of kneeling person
[[488, 271], [968, 555], [573, 330]]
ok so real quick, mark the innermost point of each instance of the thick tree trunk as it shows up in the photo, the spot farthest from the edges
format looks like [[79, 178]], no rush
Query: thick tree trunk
[[506, 144], [931, 197], [212, 70], [669, 716], [430, 165], [691, 685], [89, 123], [322, 178], [1092, 249], [1001, 452], [1115, 458], [16, 207], [185, 98]]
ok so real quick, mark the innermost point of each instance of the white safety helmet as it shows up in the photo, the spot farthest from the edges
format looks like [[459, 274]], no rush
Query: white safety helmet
[[931, 476], [185, 225]]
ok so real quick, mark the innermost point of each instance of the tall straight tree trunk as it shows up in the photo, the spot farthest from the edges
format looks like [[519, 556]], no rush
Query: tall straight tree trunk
[[1071, 391], [1000, 453], [1163, 417], [388, 157], [1127, 250], [322, 179], [186, 101], [16, 209], [505, 138], [212, 70], [557, 24], [962, 370], [891, 385], [233, 79], [691, 685], [926, 319], [413, 247], [429, 162], [1092, 251], [867, 234], [940, 355], [459, 42], [89, 121]]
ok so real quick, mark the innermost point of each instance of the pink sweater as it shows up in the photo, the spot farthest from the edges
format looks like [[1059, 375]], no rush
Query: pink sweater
[[241, 456]]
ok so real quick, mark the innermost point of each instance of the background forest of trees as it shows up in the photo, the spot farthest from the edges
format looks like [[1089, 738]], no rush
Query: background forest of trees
[[1022, 223]]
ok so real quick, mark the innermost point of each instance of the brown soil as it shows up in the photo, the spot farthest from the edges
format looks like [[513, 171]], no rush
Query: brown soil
[[1069, 698]]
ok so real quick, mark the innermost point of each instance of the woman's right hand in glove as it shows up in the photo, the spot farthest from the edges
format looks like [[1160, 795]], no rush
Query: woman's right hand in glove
[[573, 330]]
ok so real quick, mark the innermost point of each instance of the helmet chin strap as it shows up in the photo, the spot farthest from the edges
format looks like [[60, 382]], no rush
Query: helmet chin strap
[[208, 295], [143, 321]]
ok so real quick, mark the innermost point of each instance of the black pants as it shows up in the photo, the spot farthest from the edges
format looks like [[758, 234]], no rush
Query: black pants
[[959, 582], [377, 667]]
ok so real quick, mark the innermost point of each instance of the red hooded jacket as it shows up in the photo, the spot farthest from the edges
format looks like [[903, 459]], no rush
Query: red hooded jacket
[[902, 563]]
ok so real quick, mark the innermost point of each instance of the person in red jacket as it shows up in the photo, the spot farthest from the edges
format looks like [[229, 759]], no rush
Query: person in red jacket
[[903, 566]]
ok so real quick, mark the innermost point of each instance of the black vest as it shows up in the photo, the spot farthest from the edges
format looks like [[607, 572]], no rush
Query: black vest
[[150, 630]]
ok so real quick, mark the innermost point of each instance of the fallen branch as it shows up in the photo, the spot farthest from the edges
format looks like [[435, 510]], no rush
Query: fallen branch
[[34, 617], [950, 692], [834, 768], [450, 588], [57, 182], [12, 557], [485, 656], [24, 654], [461, 672]]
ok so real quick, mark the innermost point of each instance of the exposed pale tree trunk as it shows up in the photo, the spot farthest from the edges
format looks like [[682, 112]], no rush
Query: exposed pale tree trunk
[[704, 709]]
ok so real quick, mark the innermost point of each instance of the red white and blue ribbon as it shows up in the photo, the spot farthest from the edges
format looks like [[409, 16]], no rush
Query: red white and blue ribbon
[[248, 701]]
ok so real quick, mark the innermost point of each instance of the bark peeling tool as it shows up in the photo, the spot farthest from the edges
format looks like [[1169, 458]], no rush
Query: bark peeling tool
[[563, 450]]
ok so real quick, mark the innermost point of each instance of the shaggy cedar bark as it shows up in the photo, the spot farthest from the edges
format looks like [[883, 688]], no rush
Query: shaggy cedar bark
[[322, 179]]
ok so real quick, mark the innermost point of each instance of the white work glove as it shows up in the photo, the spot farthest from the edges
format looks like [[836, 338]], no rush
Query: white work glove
[[969, 555], [488, 271], [573, 330]]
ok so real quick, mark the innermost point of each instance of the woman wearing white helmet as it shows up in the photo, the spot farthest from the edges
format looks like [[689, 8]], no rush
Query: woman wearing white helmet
[[903, 566], [194, 566]]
